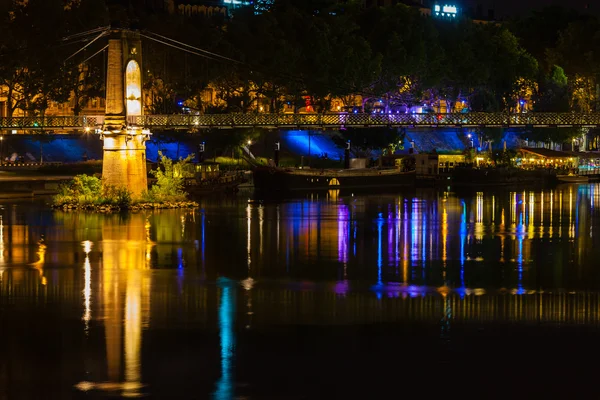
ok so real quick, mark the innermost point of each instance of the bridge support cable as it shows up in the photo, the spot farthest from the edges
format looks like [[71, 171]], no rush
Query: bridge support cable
[[86, 46], [94, 55], [247, 150], [86, 33], [180, 48], [215, 56], [197, 49]]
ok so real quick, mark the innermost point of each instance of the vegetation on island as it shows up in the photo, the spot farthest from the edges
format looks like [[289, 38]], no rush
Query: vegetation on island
[[86, 192]]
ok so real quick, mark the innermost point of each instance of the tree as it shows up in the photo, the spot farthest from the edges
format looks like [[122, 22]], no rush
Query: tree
[[162, 97], [578, 51], [408, 48], [83, 77], [33, 71], [172, 74], [40, 25], [539, 32], [553, 96], [169, 180], [508, 63], [490, 135]]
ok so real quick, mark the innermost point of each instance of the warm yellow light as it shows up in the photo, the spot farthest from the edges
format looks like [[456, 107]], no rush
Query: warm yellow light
[[87, 129], [249, 142], [87, 246], [261, 108], [133, 88]]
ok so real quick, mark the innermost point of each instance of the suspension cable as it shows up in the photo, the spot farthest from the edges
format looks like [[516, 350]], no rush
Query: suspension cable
[[93, 55], [86, 33], [194, 48], [181, 48], [84, 47]]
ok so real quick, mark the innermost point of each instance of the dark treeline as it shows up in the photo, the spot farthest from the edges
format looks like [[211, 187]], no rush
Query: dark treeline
[[299, 50], [325, 51]]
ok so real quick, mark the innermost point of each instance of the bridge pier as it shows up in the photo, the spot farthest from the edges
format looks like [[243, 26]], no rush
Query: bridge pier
[[124, 161], [124, 155]]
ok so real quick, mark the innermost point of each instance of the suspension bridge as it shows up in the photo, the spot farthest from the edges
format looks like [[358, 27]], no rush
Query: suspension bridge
[[124, 128]]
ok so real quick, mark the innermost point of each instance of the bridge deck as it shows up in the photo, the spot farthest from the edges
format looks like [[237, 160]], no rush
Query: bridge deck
[[332, 120]]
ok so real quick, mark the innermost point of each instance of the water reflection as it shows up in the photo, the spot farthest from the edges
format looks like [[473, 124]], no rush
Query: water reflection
[[87, 290], [231, 268], [225, 385]]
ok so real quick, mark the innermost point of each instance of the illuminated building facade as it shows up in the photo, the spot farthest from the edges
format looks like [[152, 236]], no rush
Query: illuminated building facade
[[205, 8]]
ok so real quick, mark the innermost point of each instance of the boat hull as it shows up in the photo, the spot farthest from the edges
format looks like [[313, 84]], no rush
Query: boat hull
[[278, 180], [501, 176], [226, 183], [573, 179]]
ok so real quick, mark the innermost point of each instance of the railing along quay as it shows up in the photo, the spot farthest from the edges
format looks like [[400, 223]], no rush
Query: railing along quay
[[330, 120]]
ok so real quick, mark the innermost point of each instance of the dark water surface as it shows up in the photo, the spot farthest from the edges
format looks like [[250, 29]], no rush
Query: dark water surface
[[489, 294]]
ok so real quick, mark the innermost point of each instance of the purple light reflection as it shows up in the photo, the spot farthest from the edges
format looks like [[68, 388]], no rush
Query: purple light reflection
[[341, 287], [343, 233]]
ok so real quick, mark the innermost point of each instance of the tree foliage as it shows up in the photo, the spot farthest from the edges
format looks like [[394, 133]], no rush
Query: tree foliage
[[289, 54], [35, 68], [86, 190], [169, 180]]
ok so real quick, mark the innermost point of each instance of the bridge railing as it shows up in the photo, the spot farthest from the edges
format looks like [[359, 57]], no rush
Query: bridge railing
[[334, 120], [361, 120], [52, 122]]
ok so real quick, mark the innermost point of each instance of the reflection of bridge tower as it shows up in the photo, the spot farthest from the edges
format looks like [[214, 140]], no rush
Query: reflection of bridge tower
[[125, 300], [124, 160]]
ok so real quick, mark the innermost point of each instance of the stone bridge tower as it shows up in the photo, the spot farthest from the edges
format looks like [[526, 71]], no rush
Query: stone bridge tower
[[124, 159]]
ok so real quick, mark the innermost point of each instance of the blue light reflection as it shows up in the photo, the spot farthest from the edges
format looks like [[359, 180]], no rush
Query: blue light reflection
[[225, 385]]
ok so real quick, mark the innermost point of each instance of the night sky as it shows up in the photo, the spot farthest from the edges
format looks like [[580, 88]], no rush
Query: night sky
[[505, 8]]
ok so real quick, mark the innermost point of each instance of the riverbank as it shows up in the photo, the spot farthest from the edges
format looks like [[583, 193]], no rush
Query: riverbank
[[30, 185], [108, 208]]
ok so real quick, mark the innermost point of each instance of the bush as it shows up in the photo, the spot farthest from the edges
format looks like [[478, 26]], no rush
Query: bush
[[83, 189], [169, 181], [116, 196], [86, 190]]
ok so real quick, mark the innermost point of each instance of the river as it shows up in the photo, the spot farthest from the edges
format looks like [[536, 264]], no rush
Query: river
[[333, 295]]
